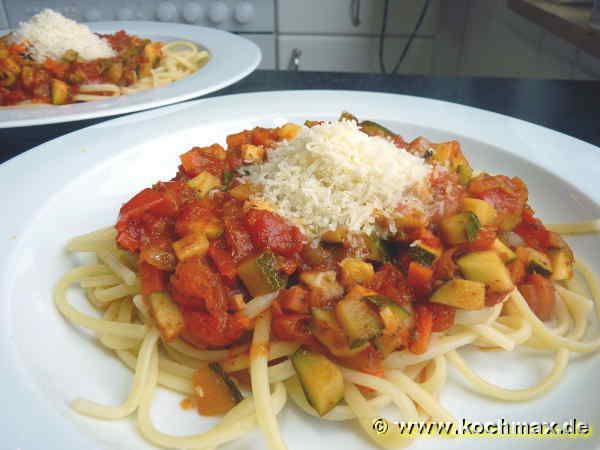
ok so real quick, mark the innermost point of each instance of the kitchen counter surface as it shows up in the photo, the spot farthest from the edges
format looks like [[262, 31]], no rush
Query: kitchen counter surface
[[565, 106]]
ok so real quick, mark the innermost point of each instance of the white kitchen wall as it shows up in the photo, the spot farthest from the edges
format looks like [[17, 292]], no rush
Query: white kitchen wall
[[499, 42], [324, 32], [458, 37]]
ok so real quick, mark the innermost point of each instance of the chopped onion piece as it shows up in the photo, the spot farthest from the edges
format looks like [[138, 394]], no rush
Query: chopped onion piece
[[258, 304]]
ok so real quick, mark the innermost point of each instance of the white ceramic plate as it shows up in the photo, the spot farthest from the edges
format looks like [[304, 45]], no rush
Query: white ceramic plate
[[232, 58], [76, 183]]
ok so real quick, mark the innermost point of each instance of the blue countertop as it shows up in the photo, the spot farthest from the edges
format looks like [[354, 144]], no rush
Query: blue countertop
[[567, 106]]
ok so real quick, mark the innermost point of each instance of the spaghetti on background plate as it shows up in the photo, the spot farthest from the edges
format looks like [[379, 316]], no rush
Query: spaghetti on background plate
[[332, 263], [53, 60]]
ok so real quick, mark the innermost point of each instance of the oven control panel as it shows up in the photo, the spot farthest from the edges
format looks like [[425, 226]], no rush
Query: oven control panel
[[233, 15]]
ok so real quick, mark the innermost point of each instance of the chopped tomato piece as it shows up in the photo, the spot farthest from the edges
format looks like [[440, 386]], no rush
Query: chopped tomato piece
[[263, 136], [199, 159], [194, 278], [483, 241], [152, 279], [517, 271], [147, 201], [442, 316], [428, 238], [203, 329], [129, 235], [419, 278], [223, 260], [292, 327], [294, 300], [56, 68], [186, 301], [237, 237], [419, 145], [445, 268], [269, 230], [507, 195], [533, 232], [288, 264], [389, 281], [540, 295], [368, 361], [419, 340], [235, 141]]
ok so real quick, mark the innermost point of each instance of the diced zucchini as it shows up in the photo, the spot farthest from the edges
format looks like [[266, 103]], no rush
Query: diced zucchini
[[288, 131], [252, 154], [423, 253], [260, 274], [320, 379], [216, 392], [562, 263], [11, 65], [195, 244], [444, 152], [505, 253], [536, 261], [375, 129], [166, 314], [461, 294], [459, 228], [464, 172], [358, 317], [70, 56], [325, 327], [242, 191], [485, 212], [115, 72], [488, 268], [396, 323], [323, 281], [357, 270], [211, 227], [449, 154], [345, 115], [7, 78], [144, 70], [204, 182], [27, 76], [337, 236], [153, 53], [233, 389], [376, 248], [59, 91]]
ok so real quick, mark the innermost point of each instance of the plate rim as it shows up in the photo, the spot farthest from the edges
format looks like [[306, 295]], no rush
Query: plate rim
[[24, 170], [252, 55]]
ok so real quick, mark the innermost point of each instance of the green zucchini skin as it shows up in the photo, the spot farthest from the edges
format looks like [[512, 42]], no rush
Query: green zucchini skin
[[233, 389], [320, 378]]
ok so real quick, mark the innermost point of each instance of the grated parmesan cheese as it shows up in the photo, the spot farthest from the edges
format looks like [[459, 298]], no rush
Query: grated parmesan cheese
[[50, 34], [334, 175]]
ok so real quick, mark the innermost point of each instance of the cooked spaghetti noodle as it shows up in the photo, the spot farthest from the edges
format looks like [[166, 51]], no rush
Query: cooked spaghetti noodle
[[410, 378]]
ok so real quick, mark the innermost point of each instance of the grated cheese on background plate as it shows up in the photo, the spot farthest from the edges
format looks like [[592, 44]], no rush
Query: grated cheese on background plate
[[50, 34], [334, 175]]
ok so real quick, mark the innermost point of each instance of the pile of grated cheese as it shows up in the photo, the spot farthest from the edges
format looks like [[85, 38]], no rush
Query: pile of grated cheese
[[334, 175], [49, 34]]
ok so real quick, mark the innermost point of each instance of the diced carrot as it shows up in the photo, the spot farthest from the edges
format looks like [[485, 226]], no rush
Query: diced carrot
[[419, 278], [419, 341]]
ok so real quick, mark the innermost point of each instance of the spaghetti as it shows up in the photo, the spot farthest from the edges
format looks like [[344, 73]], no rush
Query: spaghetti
[[274, 357]]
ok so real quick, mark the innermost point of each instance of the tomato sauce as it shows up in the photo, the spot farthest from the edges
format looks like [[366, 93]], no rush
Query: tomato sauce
[[202, 249]]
